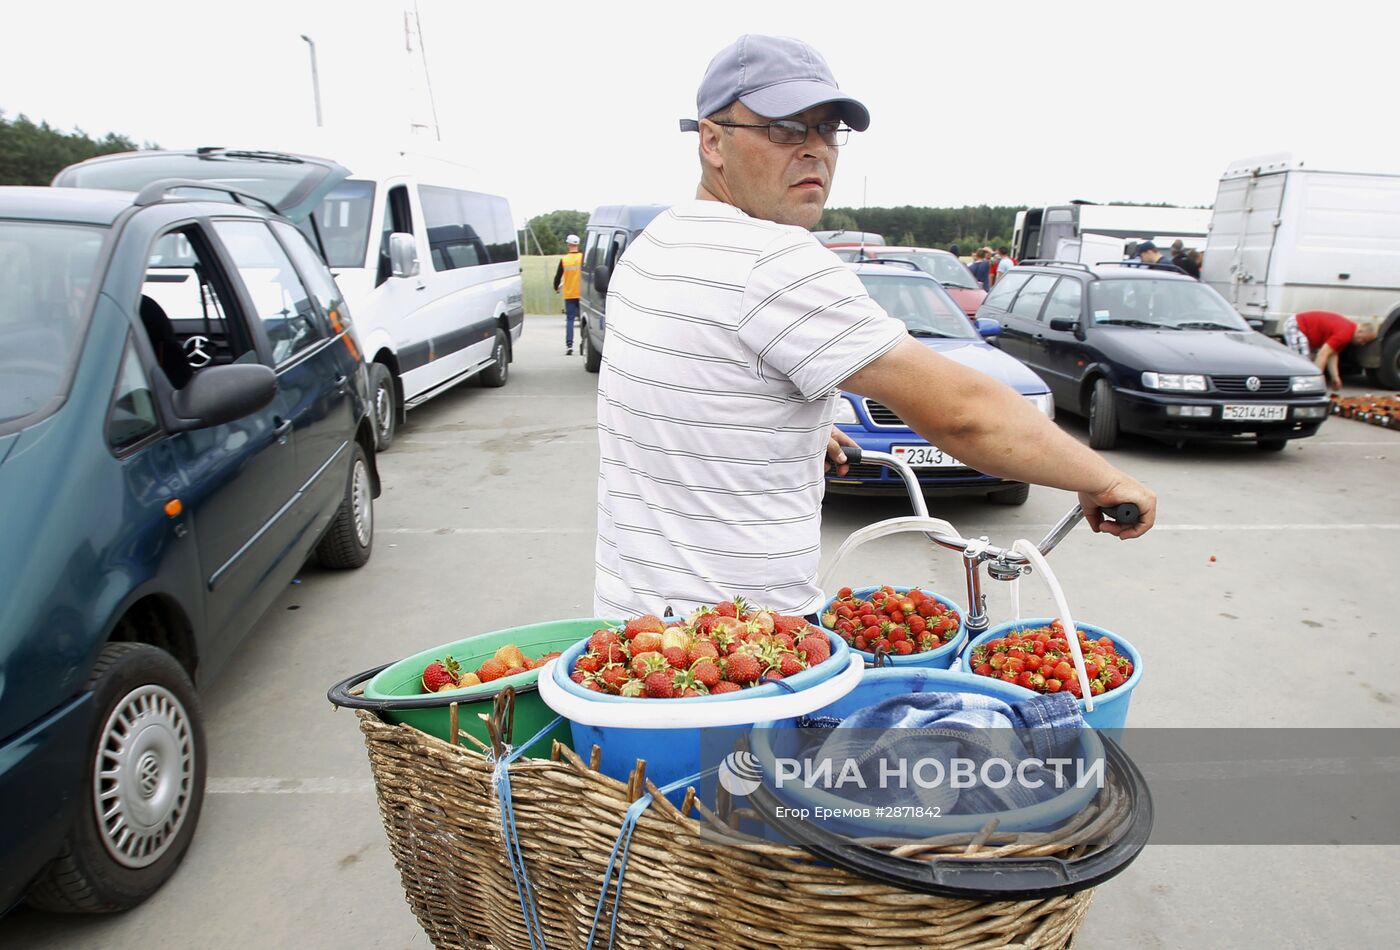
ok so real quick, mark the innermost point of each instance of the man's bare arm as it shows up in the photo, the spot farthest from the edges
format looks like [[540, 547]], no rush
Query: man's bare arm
[[994, 429]]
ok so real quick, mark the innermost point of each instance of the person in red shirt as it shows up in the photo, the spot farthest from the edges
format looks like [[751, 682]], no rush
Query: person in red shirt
[[1321, 335]]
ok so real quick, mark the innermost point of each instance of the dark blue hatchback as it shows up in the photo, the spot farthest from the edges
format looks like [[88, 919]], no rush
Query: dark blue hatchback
[[934, 319], [184, 419]]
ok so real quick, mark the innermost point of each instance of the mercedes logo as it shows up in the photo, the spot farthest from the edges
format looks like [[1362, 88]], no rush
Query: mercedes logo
[[1252, 384], [198, 355]]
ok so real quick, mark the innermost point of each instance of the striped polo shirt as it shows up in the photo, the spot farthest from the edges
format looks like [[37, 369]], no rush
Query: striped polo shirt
[[727, 337]]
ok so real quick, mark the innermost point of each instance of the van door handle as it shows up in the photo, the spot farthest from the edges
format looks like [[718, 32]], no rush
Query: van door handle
[[280, 433], [420, 286]]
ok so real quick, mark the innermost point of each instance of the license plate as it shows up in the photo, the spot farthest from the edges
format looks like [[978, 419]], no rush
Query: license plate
[[1254, 413], [924, 456]]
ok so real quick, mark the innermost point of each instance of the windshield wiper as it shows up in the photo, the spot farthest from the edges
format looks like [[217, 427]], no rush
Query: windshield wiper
[[920, 331], [1135, 323], [1205, 325]]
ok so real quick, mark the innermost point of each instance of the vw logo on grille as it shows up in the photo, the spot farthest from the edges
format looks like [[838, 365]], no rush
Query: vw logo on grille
[[197, 352], [1252, 384]]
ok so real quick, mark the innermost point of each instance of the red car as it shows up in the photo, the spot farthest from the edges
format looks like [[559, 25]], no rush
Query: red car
[[940, 265]]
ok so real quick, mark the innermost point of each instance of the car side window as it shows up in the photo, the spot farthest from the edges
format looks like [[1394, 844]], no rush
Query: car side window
[[590, 254], [133, 414], [619, 244], [1028, 301], [279, 298], [186, 309], [324, 290], [1065, 301], [1004, 290]]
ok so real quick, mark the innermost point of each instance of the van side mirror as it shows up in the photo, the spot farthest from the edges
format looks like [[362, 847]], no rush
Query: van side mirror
[[600, 278], [403, 255], [217, 395], [1065, 325]]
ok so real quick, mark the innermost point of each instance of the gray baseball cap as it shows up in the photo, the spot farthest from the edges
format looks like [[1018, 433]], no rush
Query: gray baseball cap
[[775, 76]]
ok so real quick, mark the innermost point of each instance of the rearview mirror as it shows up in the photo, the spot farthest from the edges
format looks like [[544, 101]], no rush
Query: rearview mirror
[[988, 327], [600, 278], [1064, 325], [220, 394], [403, 255]]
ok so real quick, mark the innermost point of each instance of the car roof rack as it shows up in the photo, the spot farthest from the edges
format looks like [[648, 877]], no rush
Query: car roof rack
[[1047, 262], [155, 192], [887, 260]]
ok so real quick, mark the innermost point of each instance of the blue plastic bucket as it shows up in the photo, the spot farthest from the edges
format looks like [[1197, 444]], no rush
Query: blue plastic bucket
[[1111, 708], [767, 742], [940, 659], [840, 655]]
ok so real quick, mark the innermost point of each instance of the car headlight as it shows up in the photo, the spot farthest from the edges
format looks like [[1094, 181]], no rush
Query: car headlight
[[846, 412], [1044, 402], [1309, 384], [1175, 382]]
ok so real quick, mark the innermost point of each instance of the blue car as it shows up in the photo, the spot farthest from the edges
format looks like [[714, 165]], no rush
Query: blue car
[[935, 320]]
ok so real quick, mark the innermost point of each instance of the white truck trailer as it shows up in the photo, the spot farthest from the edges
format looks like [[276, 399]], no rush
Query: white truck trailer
[[1286, 238]]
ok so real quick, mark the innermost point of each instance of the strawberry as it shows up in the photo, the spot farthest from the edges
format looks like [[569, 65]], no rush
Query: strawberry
[[702, 650], [644, 664], [514, 670], [469, 679], [843, 593], [763, 621], [578, 676], [659, 685], [706, 673], [592, 685], [589, 663], [441, 674], [632, 688], [724, 686], [675, 637], [510, 655], [815, 647], [547, 657], [790, 664], [728, 608], [614, 678], [903, 647], [492, 670], [676, 656], [646, 641], [598, 643], [647, 623], [742, 668], [830, 618], [615, 653]]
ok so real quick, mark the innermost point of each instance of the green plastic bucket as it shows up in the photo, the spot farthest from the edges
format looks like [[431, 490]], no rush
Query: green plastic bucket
[[401, 681]]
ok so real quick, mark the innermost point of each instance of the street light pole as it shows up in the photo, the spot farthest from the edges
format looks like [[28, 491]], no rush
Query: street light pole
[[315, 78]]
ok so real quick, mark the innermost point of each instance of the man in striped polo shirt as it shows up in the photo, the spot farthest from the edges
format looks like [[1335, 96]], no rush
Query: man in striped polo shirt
[[730, 330]]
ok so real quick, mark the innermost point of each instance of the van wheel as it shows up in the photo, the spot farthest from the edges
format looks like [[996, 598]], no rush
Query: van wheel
[[386, 410], [1015, 495], [143, 788], [349, 540], [592, 358], [1103, 416], [1388, 373], [499, 371]]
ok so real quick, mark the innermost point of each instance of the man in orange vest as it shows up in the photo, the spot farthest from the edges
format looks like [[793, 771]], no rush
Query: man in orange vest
[[570, 267]]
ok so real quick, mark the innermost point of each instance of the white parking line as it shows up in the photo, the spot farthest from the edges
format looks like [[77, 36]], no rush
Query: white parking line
[[271, 785]]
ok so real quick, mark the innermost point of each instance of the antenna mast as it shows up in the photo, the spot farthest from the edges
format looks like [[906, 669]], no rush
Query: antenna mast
[[413, 28]]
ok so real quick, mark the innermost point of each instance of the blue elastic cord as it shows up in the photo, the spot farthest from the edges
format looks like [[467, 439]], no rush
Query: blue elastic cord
[[784, 684], [500, 779], [624, 844]]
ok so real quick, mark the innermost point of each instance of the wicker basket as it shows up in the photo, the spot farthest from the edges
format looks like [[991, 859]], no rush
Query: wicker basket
[[690, 881]]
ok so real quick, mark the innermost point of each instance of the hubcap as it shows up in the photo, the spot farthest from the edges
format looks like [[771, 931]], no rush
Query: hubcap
[[360, 498], [142, 776], [384, 409]]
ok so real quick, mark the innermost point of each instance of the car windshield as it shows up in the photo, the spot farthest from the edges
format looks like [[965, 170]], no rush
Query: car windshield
[[1161, 305], [944, 268], [922, 304], [47, 274], [343, 220]]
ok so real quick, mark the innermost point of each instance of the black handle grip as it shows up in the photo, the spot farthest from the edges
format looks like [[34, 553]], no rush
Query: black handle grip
[[852, 454], [1125, 514], [340, 695]]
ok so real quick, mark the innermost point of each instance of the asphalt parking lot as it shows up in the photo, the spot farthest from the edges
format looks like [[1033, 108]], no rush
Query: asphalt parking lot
[[487, 521]]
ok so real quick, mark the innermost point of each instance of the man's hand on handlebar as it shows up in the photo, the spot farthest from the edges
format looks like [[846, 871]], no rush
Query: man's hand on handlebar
[[1123, 489], [835, 457]]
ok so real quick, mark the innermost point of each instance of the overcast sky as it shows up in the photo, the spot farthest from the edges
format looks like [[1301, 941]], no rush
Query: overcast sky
[[575, 105]]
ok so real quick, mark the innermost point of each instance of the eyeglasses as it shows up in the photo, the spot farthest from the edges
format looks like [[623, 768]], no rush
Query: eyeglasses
[[793, 132]]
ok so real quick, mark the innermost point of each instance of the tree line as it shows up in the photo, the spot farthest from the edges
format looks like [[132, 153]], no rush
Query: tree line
[[32, 153]]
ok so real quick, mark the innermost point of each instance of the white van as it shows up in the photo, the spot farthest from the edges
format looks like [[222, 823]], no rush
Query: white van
[[428, 265], [1286, 238]]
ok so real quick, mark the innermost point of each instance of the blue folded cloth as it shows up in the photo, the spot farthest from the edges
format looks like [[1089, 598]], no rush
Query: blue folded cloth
[[887, 741]]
